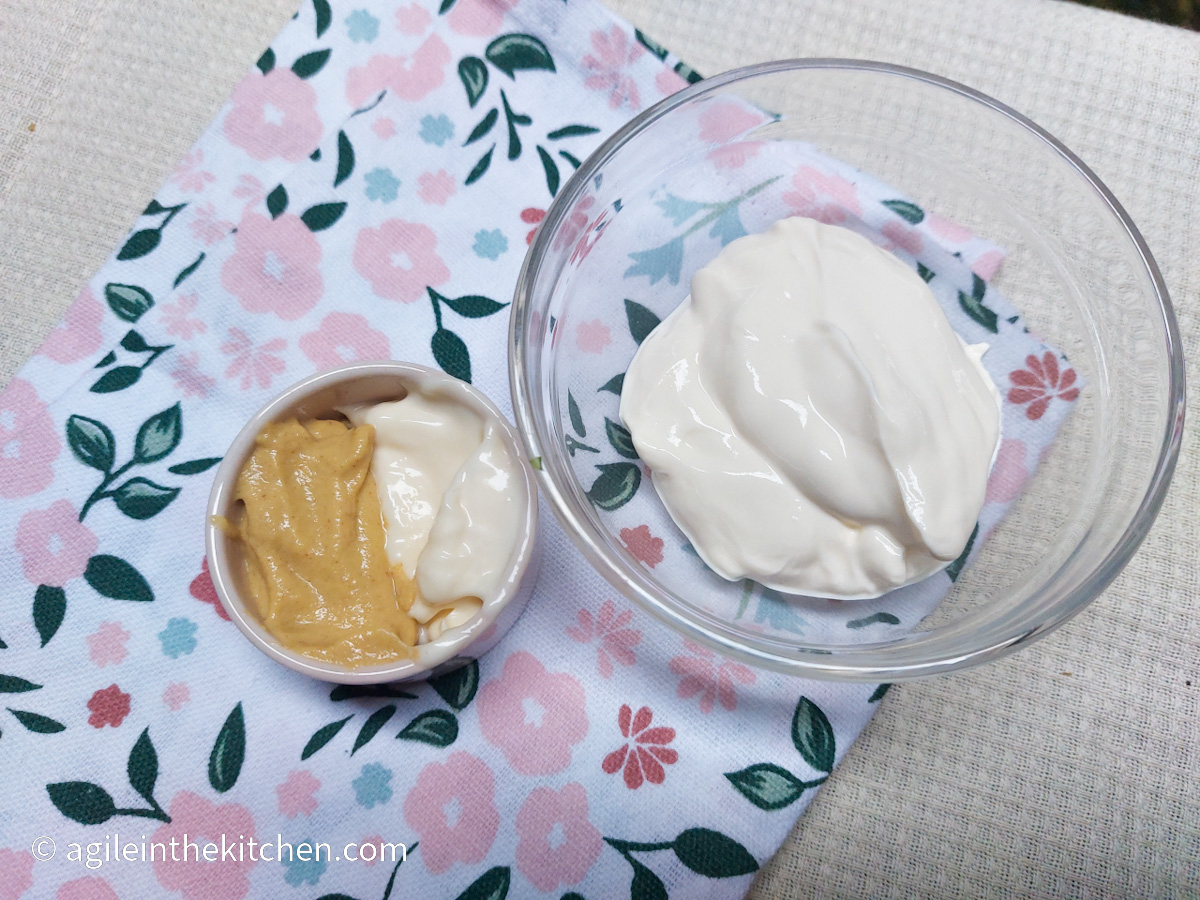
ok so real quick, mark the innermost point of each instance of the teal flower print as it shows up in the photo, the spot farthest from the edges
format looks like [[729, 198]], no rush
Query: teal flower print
[[775, 611], [178, 638], [373, 786], [301, 871], [382, 185], [490, 244], [362, 28], [436, 130]]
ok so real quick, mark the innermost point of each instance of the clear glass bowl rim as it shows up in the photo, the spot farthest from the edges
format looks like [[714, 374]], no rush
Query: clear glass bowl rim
[[867, 662]]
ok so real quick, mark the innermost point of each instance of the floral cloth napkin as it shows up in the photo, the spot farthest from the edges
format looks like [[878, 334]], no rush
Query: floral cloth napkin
[[368, 191]]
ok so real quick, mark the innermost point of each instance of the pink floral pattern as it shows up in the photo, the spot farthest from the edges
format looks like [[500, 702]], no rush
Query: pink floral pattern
[[702, 672], [412, 19], [202, 589], [176, 696], [297, 794], [400, 260], [592, 336], [177, 317], [54, 545], [436, 187], [478, 18], [900, 235], [29, 442], [342, 338], [253, 365], [206, 227], [668, 81], [106, 645], [557, 844], [824, 197], [405, 77], [195, 819], [535, 717], [371, 840], [723, 124], [93, 888], [384, 128], [611, 631], [16, 873], [1009, 473], [1040, 382], [274, 116], [644, 754], [188, 378], [189, 175], [642, 545], [453, 812], [108, 706], [274, 268], [612, 54], [78, 336]]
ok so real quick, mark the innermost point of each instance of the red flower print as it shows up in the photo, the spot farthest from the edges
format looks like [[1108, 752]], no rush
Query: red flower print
[[646, 752], [202, 589], [109, 706], [1040, 382], [611, 630], [709, 675], [643, 546], [532, 216]]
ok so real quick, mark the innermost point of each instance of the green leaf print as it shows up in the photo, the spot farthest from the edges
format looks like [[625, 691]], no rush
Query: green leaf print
[[141, 498], [277, 201], [112, 577], [620, 439], [324, 15], [126, 376], [446, 6], [972, 304], [49, 607], [266, 62], [571, 131], [576, 418], [354, 691], [574, 445], [345, 159], [573, 160], [768, 786], [909, 212], [925, 272], [159, 435], [641, 320], [128, 301], [323, 215], [491, 885], [550, 168], [140, 243], [713, 854], [228, 753], [615, 487], [107, 360], [513, 119], [86, 803], [879, 618], [485, 125], [310, 64], [511, 53], [650, 44], [450, 352], [36, 723], [878, 693], [645, 885], [91, 442], [613, 385], [371, 727], [436, 727], [458, 687], [955, 568], [11, 684], [323, 736], [142, 766], [472, 306], [480, 167], [194, 466], [813, 735], [473, 73], [185, 273]]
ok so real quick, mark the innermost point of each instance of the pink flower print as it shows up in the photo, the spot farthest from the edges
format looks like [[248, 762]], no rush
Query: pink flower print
[[479, 18], [384, 128], [54, 545], [642, 545], [203, 590], [177, 318], [535, 717], [249, 189], [189, 176], [373, 841], [109, 706], [253, 365], [206, 227], [453, 811], [532, 216], [611, 630], [723, 124], [645, 753], [297, 794], [612, 54], [907, 239], [176, 696], [1009, 473], [826, 198], [400, 260], [668, 81], [947, 229], [1039, 383], [16, 873], [711, 676], [343, 338], [592, 336], [557, 844], [29, 442], [412, 19], [79, 334], [436, 187], [406, 77], [94, 888], [275, 266], [987, 264], [195, 820], [106, 645], [274, 115], [188, 378], [575, 224]]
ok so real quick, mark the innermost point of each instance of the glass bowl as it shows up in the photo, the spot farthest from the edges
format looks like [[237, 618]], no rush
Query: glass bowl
[[616, 252]]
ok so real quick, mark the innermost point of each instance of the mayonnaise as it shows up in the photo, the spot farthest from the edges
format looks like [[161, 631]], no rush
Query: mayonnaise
[[447, 486], [811, 420]]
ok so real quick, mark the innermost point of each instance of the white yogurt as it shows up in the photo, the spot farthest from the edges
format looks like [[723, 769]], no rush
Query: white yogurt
[[811, 420], [448, 490]]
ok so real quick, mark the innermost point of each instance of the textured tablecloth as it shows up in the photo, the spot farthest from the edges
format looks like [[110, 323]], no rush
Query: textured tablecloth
[[1066, 770]]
